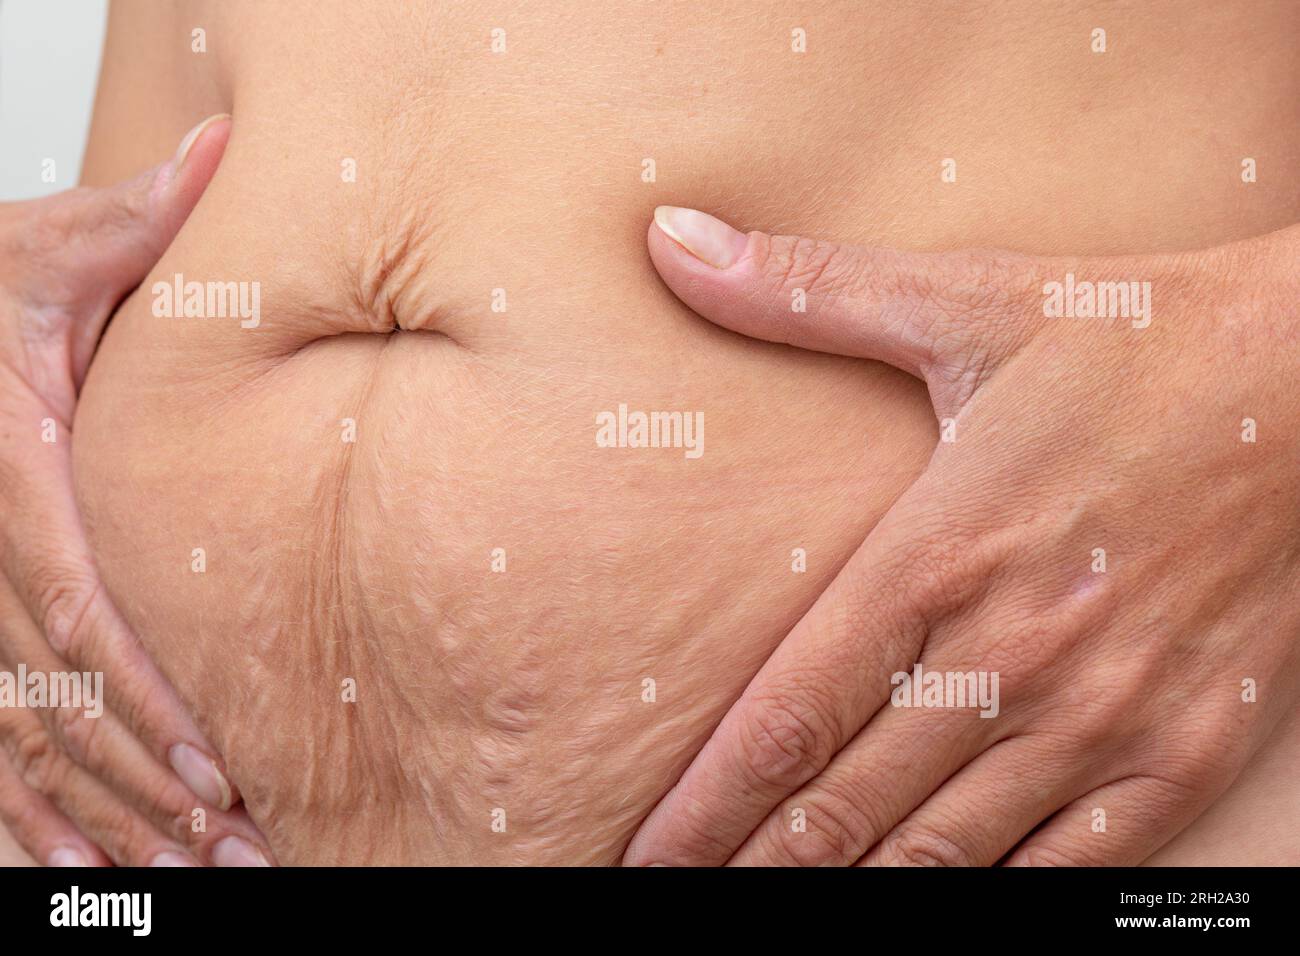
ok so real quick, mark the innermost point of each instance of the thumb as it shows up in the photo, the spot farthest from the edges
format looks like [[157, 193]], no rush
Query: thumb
[[87, 248], [948, 318]]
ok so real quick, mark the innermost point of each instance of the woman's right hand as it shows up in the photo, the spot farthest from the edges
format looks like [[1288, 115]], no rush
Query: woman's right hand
[[139, 784]]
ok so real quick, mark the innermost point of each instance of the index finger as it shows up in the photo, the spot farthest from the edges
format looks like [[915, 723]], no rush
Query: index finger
[[810, 698], [44, 553]]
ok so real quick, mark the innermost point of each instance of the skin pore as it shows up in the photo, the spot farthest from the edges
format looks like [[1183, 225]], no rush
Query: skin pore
[[329, 561]]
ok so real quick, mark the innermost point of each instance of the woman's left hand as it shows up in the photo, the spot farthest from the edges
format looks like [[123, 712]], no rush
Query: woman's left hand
[[1109, 524]]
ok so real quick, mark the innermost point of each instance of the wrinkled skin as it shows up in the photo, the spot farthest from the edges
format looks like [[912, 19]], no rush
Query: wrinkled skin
[[1115, 541], [127, 777], [370, 561]]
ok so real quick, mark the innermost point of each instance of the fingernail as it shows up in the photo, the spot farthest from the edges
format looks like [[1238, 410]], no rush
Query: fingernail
[[67, 856], [234, 851], [200, 775], [708, 239], [173, 858], [183, 151]]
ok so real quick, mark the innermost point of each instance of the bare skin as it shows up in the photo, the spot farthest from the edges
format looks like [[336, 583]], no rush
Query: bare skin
[[329, 561], [1098, 533], [123, 780]]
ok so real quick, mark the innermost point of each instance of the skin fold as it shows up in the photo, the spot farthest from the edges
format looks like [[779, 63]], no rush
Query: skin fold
[[331, 564], [119, 784]]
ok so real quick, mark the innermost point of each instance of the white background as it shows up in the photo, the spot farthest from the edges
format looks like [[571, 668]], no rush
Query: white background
[[49, 65]]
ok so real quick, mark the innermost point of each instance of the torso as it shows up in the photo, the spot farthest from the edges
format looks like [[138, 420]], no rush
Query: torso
[[330, 561]]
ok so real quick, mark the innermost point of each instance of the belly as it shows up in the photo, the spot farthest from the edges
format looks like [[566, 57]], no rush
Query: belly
[[378, 533]]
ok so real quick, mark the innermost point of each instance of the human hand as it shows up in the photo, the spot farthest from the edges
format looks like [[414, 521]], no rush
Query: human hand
[[79, 790], [1109, 523]]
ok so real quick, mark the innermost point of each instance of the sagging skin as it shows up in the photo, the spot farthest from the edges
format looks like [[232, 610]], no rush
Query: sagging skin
[[336, 568]]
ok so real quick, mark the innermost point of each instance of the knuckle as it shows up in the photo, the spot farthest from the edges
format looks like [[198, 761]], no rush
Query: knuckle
[[166, 804], [983, 284], [1188, 770], [1045, 855], [919, 845], [24, 818], [121, 834], [821, 269], [833, 836], [788, 739], [961, 292], [64, 599], [50, 225], [947, 565], [35, 758], [49, 232], [1026, 646], [102, 212], [15, 796], [76, 733]]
